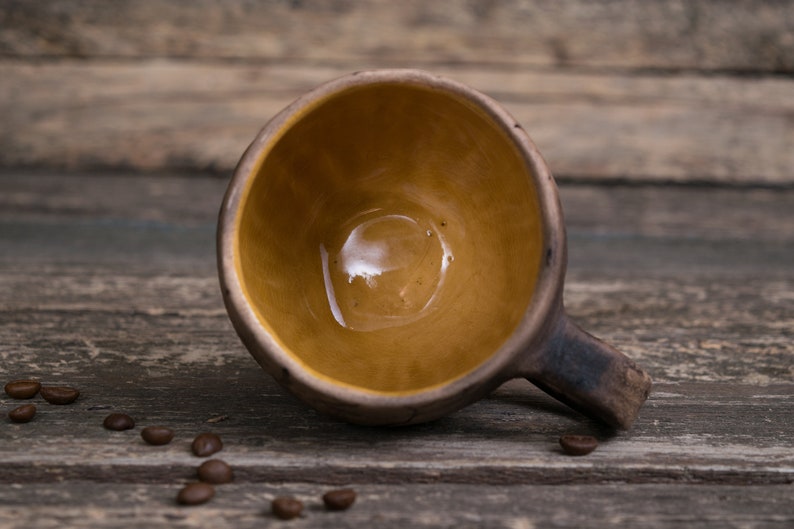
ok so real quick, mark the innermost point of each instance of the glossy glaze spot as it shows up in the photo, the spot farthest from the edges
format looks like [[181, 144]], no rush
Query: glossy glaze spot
[[384, 269]]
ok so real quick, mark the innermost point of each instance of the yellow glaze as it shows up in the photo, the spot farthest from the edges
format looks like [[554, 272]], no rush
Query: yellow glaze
[[390, 238]]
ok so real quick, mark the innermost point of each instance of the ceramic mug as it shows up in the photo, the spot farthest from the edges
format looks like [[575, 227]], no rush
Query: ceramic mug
[[391, 248]]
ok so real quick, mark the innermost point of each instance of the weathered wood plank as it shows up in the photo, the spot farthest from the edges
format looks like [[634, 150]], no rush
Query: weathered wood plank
[[153, 199], [728, 330], [754, 36], [697, 285], [108, 284], [182, 370], [128, 311], [590, 126], [688, 433], [400, 506], [192, 201]]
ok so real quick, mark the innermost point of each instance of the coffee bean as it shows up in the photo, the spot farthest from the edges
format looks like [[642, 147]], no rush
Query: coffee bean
[[206, 444], [578, 445], [24, 413], [286, 508], [22, 389], [118, 422], [157, 435], [59, 394], [215, 471], [195, 494], [339, 500]]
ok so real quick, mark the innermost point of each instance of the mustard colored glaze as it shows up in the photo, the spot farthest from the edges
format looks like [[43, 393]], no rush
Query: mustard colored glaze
[[390, 239]]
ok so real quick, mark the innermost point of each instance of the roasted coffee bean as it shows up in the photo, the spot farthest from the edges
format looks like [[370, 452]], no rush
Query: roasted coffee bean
[[215, 471], [157, 435], [578, 445], [286, 508], [339, 500], [206, 444], [59, 394], [22, 389], [195, 494], [24, 413], [118, 422]]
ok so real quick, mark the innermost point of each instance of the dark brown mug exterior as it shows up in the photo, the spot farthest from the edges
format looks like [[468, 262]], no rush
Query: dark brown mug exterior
[[546, 348]]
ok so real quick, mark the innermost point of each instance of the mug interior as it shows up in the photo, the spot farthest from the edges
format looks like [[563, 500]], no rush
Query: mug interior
[[389, 237]]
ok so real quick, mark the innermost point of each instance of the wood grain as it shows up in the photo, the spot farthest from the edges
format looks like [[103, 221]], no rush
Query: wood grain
[[401, 506], [178, 115], [610, 90], [109, 285], [688, 433], [690, 212], [735, 35]]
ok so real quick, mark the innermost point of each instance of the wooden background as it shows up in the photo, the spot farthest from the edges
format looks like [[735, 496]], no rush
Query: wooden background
[[610, 90], [668, 124]]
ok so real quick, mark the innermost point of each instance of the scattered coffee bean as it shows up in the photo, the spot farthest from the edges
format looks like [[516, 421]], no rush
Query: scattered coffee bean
[[578, 445], [24, 413], [206, 444], [215, 471], [195, 494], [157, 435], [22, 389], [59, 394], [118, 422], [339, 500], [286, 508]]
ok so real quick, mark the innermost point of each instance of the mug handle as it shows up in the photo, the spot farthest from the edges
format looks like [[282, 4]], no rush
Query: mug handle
[[590, 376]]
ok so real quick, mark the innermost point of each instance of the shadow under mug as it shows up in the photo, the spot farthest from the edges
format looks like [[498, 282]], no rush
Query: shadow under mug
[[391, 248]]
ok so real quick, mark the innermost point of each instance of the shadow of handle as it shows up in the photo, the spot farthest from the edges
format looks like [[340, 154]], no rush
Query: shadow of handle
[[591, 376]]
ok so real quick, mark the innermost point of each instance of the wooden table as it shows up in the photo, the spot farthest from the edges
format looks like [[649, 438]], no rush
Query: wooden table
[[109, 285], [668, 125]]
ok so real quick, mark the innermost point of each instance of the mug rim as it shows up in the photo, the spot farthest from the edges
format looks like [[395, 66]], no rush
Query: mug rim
[[542, 311]]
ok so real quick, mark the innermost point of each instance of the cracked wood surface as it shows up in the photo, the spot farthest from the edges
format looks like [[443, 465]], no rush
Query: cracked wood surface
[[109, 285]]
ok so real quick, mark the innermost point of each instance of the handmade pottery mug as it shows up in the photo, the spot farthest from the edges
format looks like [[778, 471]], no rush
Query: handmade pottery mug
[[391, 248]]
